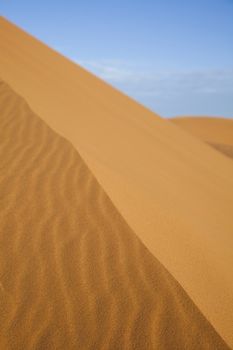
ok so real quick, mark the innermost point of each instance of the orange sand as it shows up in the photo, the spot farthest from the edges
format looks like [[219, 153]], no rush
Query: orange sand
[[218, 132], [175, 192]]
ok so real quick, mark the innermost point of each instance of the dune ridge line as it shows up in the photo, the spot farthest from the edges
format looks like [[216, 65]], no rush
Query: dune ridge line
[[73, 274]]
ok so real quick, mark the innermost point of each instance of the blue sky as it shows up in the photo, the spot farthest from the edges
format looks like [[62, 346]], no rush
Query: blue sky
[[174, 56]]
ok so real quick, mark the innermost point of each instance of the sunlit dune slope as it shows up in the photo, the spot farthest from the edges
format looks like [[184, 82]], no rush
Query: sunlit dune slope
[[217, 132], [175, 192], [73, 274]]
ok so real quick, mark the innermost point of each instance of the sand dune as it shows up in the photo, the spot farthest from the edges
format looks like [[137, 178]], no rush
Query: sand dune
[[175, 192], [217, 132], [73, 274]]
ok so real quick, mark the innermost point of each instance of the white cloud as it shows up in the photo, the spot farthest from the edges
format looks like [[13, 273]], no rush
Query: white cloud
[[142, 81], [111, 70]]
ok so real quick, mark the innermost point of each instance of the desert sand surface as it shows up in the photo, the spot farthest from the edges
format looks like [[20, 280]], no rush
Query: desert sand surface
[[173, 190], [217, 132], [73, 274]]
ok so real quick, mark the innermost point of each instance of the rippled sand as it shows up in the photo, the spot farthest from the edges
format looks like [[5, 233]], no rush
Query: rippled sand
[[73, 274]]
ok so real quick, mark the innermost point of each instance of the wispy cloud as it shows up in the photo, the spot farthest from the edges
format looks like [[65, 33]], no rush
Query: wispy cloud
[[144, 81], [111, 70]]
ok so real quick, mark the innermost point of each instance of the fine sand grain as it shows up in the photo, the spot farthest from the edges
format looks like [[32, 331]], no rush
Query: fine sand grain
[[73, 274], [217, 132], [174, 191]]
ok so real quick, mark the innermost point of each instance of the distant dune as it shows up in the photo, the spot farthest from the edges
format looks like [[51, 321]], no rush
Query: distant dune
[[174, 191], [217, 132]]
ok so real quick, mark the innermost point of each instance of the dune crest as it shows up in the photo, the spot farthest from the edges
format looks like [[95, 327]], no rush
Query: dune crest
[[175, 192], [217, 132], [73, 274]]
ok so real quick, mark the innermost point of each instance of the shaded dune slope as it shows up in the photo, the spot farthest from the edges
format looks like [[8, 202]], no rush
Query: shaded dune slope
[[217, 132], [73, 274], [225, 149], [174, 191]]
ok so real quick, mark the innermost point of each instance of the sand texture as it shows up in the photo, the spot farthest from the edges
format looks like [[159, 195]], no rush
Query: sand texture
[[73, 274], [172, 189], [217, 132]]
